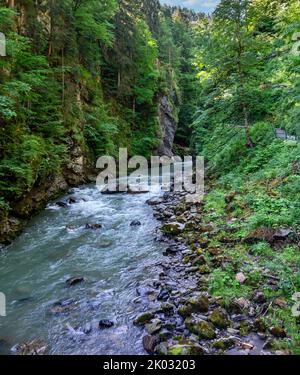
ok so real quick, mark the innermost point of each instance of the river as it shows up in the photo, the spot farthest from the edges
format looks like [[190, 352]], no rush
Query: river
[[113, 261]]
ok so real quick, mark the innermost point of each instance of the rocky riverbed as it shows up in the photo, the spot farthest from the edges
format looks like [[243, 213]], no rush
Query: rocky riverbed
[[99, 283], [178, 314]]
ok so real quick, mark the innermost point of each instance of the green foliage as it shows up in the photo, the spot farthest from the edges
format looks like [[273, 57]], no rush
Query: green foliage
[[249, 86], [223, 284], [87, 75]]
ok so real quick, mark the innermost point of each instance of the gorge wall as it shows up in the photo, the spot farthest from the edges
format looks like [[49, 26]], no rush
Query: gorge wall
[[81, 80]]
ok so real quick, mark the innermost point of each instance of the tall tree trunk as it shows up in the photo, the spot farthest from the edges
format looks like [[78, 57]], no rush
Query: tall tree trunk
[[119, 79], [50, 50], [247, 127], [63, 75], [10, 3]]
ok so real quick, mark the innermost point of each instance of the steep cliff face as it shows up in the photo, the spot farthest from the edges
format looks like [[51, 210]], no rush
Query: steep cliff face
[[78, 171], [74, 111], [168, 126]]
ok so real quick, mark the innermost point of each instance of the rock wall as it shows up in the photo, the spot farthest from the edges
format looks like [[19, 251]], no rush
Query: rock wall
[[78, 171], [168, 126]]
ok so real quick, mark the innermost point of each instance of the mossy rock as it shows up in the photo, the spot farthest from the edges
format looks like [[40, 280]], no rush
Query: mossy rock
[[172, 229], [260, 325], [162, 348], [186, 349], [204, 270], [199, 261], [219, 318], [143, 318], [199, 303], [224, 344], [194, 305], [167, 307], [245, 328], [205, 330]]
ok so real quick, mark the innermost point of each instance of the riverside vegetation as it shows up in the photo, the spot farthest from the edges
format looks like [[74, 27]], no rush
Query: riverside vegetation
[[226, 83]]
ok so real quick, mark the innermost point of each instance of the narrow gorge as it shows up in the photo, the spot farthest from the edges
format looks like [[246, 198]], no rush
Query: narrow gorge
[[84, 271]]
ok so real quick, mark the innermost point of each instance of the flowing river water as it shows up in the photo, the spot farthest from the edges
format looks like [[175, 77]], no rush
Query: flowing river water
[[113, 260]]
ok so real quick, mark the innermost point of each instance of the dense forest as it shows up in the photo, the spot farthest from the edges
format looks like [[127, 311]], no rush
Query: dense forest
[[82, 78]]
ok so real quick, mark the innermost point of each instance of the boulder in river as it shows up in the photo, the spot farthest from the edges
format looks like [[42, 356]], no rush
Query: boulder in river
[[72, 200], [61, 204], [155, 201], [104, 324], [135, 223], [93, 226], [74, 281]]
